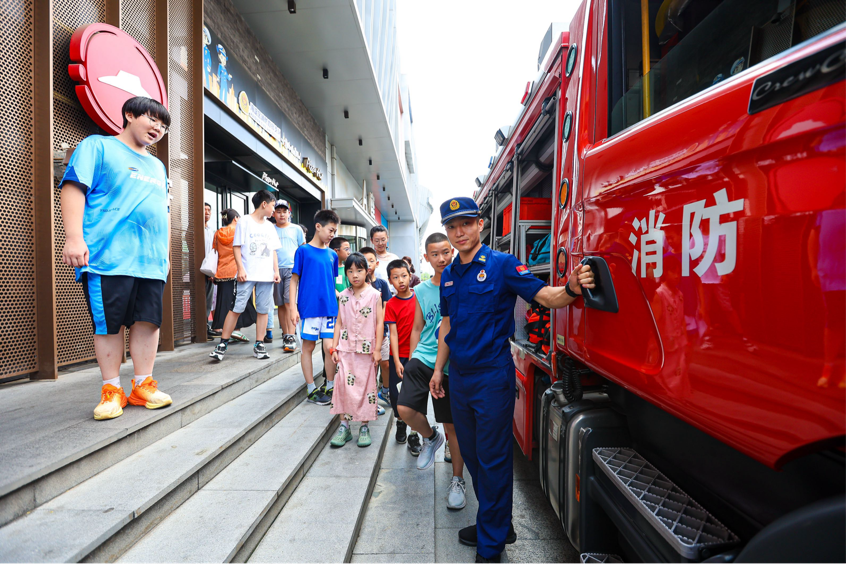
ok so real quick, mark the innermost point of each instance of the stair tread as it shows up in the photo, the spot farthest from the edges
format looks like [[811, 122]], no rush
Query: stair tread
[[333, 493], [212, 525], [680, 520], [74, 523]]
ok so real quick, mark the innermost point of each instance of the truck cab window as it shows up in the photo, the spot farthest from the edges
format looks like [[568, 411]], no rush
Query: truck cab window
[[693, 44]]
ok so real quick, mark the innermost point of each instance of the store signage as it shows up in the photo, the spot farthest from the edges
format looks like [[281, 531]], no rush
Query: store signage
[[111, 67], [269, 180], [226, 76], [264, 123]]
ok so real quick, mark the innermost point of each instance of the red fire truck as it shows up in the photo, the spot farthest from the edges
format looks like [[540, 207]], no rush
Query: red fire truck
[[693, 152]]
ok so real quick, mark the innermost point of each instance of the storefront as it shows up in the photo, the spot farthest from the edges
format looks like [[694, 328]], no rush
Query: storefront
[[250, 144]]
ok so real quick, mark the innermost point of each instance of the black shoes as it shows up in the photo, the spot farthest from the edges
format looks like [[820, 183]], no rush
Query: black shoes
[[268, 338], [402, 432], [480, 558], [469, 537], [414, 445]]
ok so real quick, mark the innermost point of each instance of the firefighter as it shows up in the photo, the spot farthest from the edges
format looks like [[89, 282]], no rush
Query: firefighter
[[478, 294]]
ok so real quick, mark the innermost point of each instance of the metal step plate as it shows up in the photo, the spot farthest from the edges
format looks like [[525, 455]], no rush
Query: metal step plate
[[591, 558], [685, 524]]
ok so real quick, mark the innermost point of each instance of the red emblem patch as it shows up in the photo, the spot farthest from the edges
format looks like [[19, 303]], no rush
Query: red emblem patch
[[523, 270]]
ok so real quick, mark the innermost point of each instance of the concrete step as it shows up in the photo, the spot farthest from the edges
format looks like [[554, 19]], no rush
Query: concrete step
[[50, 443], [228, 516], [322, 519], [104, 515]]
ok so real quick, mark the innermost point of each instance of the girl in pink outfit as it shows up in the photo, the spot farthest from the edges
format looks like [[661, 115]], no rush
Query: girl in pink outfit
[[357, 350]]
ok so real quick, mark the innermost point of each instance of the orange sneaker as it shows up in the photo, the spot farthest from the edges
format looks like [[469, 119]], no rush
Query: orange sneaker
[[112, 402], [147, 394]]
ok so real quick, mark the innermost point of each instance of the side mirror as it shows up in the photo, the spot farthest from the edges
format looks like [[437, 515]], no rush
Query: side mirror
[[602, 297]]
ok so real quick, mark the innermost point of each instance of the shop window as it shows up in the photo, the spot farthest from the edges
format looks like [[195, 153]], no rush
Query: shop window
[[693, 44]]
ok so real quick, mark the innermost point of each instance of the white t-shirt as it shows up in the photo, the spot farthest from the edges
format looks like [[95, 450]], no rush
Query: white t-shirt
[[258, 241], [209, 234], [382, 270]]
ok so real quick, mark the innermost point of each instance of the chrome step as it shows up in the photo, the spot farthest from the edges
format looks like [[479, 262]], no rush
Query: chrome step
[[685, 524], [592, 557]]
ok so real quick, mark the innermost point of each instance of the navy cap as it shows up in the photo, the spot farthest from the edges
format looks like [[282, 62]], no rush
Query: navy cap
[[458, 207]]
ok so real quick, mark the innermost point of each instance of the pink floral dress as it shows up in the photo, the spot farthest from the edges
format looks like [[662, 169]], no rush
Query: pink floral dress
[[355, 384]]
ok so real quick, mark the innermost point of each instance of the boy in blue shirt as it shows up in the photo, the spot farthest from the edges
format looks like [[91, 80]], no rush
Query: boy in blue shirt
[[291, 237], [255, 246], [115, 210], [315, 310]]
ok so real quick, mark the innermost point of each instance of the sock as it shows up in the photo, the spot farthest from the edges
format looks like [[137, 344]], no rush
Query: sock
[[224, 341], [345, 424], [258, 342], [140, 379], [434, 434], [311, 387], [114, 382], [363, 426], [330, 384], [385, 390]]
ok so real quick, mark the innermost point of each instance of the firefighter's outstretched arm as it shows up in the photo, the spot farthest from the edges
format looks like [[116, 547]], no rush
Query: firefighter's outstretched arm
[[555, 298]]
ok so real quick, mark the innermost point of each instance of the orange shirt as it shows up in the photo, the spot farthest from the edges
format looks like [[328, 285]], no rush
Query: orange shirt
[[226, 267]]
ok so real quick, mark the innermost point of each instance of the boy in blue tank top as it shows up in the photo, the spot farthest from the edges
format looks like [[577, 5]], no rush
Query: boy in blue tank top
[[116, 213]]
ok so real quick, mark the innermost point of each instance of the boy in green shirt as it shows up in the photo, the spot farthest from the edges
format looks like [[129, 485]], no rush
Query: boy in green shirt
[[342, 247]]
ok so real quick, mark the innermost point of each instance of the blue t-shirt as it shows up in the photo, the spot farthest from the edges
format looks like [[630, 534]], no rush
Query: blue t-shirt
[[479, 298], [291, 238], [126, 209], [429, 300], [317, 269]]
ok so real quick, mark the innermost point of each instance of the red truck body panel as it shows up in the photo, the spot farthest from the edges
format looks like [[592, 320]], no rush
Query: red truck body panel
[[726, 332]]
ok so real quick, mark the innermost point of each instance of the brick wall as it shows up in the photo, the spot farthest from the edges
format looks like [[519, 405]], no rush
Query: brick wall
[[227, 23]]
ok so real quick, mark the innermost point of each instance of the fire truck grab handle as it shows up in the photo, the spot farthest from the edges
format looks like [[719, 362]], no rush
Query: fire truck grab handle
[[602, 297]]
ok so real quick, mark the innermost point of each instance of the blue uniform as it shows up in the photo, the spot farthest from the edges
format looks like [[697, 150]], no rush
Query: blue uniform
[[479, 299], [126, 209]]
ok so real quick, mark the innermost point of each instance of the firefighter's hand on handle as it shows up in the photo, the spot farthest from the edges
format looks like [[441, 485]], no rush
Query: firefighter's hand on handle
[[435, 384], [581, 277], [75, 252]]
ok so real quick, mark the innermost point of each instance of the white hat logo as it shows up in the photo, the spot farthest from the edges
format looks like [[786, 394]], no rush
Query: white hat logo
[[126, 82]]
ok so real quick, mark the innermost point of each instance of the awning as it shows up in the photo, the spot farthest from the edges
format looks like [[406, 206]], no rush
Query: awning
[[352, 213], [229, 174]]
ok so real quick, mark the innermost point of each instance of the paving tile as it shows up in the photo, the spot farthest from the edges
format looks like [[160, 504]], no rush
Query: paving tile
[[307, 414], [417, 557], [397, 455], [209, 527], [533, 517], [448, 549], [548, 550], [399, 516]]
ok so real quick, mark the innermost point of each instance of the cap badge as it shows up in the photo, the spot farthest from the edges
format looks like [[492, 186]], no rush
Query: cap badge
[[454, 205], [481, 277]]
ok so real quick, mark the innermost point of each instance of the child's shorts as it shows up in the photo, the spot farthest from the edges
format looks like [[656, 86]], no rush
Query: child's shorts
[[415, 391], [313, 328], [120, 301], [264, 296], [281, 290]]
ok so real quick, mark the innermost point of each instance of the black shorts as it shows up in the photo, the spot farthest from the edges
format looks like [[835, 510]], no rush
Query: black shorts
[[116, 301], [415, 391]]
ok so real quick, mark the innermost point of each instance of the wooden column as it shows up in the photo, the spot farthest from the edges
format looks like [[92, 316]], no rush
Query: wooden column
[[166, 337], [43, 196], [113, 12], [196, 90]]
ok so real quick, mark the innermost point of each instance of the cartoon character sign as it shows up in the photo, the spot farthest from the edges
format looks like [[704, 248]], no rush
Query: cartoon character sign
[[207, 64], [223, 75]]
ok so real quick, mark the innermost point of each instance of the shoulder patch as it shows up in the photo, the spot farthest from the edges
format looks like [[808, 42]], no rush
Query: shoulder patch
[[447, 284], [523, 270], [482, 258]]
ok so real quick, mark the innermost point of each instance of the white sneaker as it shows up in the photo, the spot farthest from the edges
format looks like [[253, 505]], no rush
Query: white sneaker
[[456, 498], [427, 451]]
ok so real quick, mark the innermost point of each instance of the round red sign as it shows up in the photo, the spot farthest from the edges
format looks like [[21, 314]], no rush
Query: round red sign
[[111, 67]]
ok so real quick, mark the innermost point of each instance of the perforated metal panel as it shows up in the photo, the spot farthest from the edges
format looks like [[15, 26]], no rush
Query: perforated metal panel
[[70, 125], [17, 267], [182, 139]]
